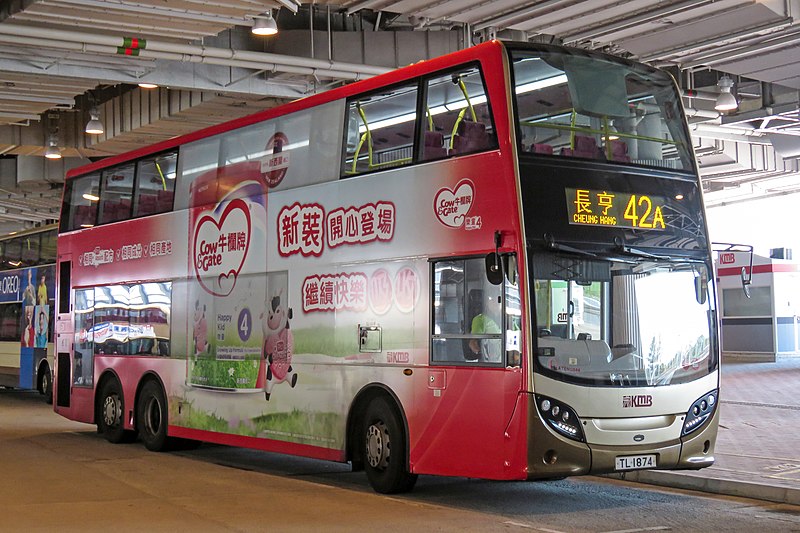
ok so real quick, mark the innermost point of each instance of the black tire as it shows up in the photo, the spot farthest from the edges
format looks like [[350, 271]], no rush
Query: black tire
[[384, 449], [152, 417], [47, 383], [111, 413]]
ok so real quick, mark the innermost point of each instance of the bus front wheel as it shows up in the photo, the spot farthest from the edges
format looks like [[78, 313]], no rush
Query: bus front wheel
[[110, 412], [384, 451], [151, 417]]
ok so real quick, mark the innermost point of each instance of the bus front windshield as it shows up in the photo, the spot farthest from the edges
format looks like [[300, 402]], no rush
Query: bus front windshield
[[578, 105], [622, 322]]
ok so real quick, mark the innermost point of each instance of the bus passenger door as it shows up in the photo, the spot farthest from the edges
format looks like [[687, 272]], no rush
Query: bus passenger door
[[464, 410], [64, 336]]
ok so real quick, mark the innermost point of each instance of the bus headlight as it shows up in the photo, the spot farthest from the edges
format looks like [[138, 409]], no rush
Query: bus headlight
[[561, 417], [700, 411]]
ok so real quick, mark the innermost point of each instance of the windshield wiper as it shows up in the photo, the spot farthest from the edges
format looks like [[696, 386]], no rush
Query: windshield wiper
[[635, 252], [553, 245]]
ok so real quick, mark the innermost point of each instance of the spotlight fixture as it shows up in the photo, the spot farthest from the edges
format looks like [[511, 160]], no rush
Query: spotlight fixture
[[264, 24], [94, 126], [148, 85], [725, 101], [52, 151]]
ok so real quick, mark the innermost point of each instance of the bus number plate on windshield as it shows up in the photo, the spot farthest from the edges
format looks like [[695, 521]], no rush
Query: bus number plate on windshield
[[636, 462]]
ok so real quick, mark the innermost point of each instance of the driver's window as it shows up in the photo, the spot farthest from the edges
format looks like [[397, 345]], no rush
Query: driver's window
[[468, 314]]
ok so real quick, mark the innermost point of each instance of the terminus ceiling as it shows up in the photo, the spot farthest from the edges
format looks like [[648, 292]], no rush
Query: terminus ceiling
[[59, 58]]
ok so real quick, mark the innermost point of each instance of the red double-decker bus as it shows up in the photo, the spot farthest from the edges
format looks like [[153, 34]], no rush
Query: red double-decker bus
[[492, 264]]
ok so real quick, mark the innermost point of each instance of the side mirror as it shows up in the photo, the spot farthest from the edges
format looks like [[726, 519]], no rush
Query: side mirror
[[494, 268], [511, 268], [746, 280], [700, 289], [620, 350]]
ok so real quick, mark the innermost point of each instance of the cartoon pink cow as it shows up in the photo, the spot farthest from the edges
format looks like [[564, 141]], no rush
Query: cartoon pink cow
[[278, 344]]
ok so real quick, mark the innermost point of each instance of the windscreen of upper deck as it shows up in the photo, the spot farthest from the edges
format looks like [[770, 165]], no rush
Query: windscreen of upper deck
[[572, 104]]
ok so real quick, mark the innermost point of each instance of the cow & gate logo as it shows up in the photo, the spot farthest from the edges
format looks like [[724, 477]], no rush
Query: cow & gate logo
[[637, 400], [220, 247], [451, 206], [275, 164]]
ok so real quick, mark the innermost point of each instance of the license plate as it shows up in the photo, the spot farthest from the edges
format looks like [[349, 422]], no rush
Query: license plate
[[636, 462]]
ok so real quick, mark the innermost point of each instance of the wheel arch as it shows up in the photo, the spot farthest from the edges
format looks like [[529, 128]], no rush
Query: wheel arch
[[356, 414], [147, 376], [107, 375], [44, 365]]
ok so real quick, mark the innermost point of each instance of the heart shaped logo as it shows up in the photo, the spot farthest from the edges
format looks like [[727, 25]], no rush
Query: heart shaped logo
[[451, 206], [220, 247]]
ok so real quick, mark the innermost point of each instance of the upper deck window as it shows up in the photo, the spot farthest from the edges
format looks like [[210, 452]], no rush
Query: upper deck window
[[457, 116], [453, 118], [380, 130], [117, 193], [130, 190], [81, 198], [590, 107], [155, 184]]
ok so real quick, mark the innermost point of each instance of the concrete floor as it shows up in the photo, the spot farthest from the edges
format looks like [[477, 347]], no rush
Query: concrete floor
[[57, 475], [61, 476]]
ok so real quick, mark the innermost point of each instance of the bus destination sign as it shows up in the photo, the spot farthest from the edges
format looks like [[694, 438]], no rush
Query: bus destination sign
[[587, 207]]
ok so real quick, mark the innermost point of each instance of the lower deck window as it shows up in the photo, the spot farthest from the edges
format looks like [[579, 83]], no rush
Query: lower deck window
[[120, 320]]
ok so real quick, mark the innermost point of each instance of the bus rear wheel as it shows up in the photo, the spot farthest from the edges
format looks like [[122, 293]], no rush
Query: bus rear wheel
[[384, 452], [47, 383], [110, 412], [151, 417]]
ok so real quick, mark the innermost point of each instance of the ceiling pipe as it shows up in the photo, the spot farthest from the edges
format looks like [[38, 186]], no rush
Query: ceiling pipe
[[763, 46], [503, 21], [692, 112], [714, 41], [165, 13], [711, 131], [185, 58], [634, 20], [137, 47], [369, 4]]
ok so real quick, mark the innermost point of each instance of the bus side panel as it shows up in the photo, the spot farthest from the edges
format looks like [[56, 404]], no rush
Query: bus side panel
[[464, 429]]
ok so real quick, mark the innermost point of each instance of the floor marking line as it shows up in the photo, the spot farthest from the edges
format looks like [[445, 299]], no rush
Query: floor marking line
[[653, 528], [528, 526]]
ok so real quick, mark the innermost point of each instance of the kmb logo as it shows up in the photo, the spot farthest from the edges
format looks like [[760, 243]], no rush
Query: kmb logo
[[639, 400], [727, 258]]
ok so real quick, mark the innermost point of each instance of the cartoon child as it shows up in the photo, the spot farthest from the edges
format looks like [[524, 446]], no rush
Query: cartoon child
[[200, 328], [278, 344]]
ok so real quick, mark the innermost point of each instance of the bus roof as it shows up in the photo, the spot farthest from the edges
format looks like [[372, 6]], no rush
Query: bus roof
[[483, 51]]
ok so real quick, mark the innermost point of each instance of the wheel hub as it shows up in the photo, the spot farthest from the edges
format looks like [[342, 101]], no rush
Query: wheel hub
[[112, 410], [378, 446], [152, 419]]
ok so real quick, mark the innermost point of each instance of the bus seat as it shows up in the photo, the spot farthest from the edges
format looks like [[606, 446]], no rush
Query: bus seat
[[147, 205], [124, 209], [164, 201], [84, 215], [619, 151], [540, 148], [109, 211], [586, 147], [470, 137], [434, 145]]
